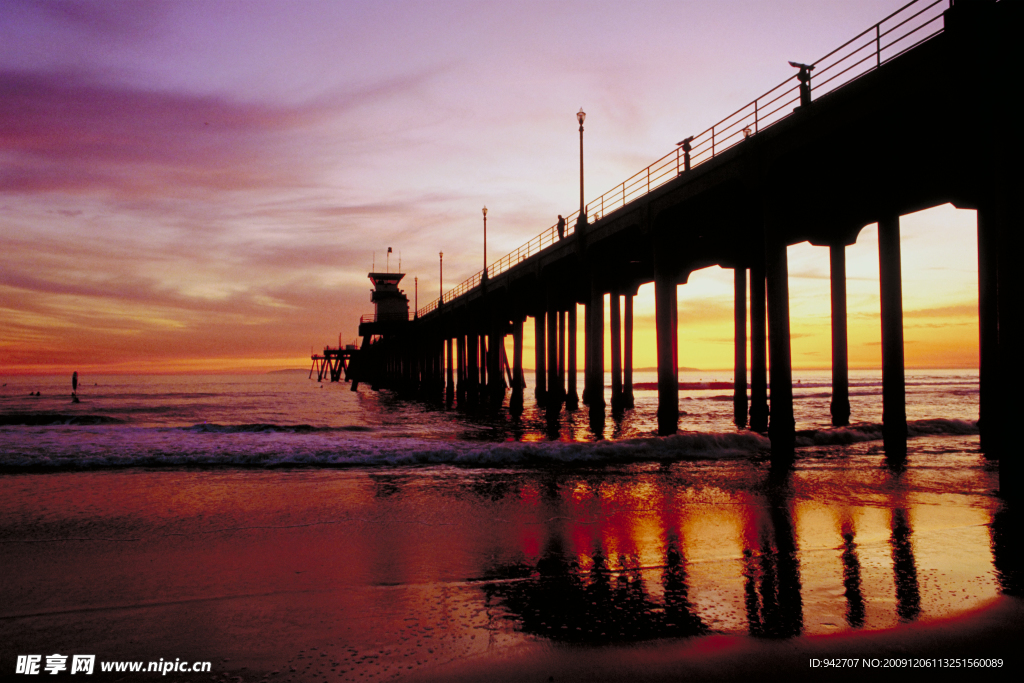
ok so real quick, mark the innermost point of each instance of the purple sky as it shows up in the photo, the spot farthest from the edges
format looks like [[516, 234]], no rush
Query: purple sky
[[203, 185]]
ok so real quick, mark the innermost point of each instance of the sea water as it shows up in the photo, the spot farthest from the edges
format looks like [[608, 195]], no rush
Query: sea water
[[285, 418], [300, 527]]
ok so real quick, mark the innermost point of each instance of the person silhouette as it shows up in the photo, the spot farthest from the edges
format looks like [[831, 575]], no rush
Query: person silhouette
[[561, 227], [74, 386]]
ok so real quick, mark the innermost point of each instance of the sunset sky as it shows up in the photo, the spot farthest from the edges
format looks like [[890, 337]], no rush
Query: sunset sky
[[204, 186]]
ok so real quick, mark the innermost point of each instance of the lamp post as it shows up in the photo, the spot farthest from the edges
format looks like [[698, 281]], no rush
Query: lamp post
[[440, 280], [580, 116], [485, 244]]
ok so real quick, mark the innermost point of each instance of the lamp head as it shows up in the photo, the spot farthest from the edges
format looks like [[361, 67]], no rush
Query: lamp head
[[580, 115], [485, 212]]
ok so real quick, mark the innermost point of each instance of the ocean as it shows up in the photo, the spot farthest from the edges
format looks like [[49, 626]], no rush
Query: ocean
[[287, 419], [282, 528]]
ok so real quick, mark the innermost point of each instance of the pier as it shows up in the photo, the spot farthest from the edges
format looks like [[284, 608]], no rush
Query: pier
[[915, 112]]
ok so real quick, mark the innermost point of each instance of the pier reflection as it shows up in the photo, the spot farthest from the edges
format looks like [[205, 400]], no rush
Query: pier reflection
[[1007, 552], [908, 595], [851, 574], [771, 569], [652, 557], [594, 600]]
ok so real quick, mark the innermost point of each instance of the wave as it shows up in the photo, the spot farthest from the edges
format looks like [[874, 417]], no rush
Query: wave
[[262, 428], [873, 432], [250, 446], [684, 386], [51, 419], [107, 445]]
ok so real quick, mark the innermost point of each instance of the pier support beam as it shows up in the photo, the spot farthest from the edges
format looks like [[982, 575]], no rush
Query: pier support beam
[[539, 358], [472, 369], [495, 378], [586, 352], [739, 403], [515, 402], [595, 345], [449, 391], [554, 397], [781, 426], [894, 409], [572, 398], [616, 349], [627, 361], [1004, 214], [840, 407], [666, 323], [989, 420], [460, 370], [758, 348], [561, 354], [483, 364]]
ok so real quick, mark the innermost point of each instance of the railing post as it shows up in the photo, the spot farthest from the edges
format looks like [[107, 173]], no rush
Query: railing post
[[878, 45], [755, 116], [712, 141]]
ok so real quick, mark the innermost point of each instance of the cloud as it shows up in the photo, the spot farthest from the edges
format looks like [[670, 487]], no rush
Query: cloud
[[66, 132], [824, 275], [953, 311], [703, 311], [109, 20]]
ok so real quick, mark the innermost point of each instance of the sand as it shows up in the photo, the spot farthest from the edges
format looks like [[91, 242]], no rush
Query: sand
[[445, 574]]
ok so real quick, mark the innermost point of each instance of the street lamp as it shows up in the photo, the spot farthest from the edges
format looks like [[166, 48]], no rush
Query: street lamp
[[485, 244], [580, 116], [440, 280]]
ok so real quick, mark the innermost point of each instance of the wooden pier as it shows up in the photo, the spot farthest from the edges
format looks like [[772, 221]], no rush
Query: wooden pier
[[332, 363], [917, 111]]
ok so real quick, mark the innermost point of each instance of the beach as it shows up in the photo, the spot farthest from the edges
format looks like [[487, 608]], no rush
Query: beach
[[614, 564]]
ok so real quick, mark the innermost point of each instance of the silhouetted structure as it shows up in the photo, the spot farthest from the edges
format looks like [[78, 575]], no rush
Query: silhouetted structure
[[864, 145]]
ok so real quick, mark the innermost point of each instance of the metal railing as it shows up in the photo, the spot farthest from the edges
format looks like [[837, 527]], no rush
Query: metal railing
[[904, 29]]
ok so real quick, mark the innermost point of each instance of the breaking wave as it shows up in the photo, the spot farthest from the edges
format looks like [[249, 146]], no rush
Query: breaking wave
[[873, 432], [103, 444], [270, 446]]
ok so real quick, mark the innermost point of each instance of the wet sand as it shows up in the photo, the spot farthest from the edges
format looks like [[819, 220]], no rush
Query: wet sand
[[683, 571], [908, 652]]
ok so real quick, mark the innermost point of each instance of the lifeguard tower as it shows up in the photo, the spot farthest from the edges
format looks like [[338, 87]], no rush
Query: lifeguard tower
[[390, 306]]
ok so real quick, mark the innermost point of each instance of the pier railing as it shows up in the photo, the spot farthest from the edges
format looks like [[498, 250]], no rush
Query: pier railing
[[904, 29]]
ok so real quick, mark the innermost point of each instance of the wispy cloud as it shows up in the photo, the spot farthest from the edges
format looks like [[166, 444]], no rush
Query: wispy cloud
[[65, 132], [953, 311]]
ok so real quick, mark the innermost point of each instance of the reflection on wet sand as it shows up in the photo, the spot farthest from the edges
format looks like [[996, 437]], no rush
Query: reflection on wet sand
[[908, 597], [564, 601], [353, 573], [851, 574], [1007, 551], [626, 576], [771, 570]]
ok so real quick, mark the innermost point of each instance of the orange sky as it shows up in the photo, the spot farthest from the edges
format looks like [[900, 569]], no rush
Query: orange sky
[[203, 187]]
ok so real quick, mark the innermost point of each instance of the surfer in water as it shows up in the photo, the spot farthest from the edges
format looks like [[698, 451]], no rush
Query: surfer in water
[[74, 387]]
